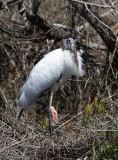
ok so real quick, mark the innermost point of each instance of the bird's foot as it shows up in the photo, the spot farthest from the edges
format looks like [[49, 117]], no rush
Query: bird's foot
[[54, 114]]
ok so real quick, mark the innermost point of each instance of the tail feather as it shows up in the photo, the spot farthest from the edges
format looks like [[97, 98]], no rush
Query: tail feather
[[26, 97], [25, 103]]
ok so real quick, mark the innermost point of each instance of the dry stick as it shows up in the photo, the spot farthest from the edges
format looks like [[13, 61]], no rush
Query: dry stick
[[4, 99], [101, 16], [93, 4], [5, 3], [97, 18], [3, 102], [57, 25], [106, 33], [67, 122], [18, 142], [111, 60], [12, 62], [90, 44]]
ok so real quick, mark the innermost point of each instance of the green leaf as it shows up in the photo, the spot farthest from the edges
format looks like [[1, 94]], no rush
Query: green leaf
[[96, 102], [101, 108], [87, 109]]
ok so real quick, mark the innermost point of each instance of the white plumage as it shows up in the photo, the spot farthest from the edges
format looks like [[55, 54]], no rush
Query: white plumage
[[50, 73]]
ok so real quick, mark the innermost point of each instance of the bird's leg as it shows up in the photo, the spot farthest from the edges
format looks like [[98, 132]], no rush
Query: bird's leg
[[20, 113], [49, 113], [40, 102]]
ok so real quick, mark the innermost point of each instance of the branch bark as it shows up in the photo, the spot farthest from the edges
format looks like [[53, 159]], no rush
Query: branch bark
[[3, 102], [45, 27], [35, 6], [5, 3], [102, 29]]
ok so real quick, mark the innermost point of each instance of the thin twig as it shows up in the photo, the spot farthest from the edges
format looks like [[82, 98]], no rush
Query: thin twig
[[93, 4], [67, 122], [19, 142]]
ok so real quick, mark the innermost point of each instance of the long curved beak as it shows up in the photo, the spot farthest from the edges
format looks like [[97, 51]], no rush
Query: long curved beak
[[75, 56]]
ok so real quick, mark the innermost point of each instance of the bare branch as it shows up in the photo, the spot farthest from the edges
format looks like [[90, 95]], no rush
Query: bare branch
[[35, 6], [43, 25], [3, 102], [106, 34], [93, 4], [4, 3]]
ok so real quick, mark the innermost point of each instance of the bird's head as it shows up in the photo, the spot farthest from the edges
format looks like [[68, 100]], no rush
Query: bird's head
[[70, 45]]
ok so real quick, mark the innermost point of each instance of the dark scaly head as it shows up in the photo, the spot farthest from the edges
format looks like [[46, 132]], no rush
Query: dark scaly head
[[70, 45]]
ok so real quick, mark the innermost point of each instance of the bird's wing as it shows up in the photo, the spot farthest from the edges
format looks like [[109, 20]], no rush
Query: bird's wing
[[42, 77]]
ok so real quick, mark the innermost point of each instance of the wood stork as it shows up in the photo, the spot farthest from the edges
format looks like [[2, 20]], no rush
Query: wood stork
[[49, 74]]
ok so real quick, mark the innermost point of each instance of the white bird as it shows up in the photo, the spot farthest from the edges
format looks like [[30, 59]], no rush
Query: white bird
[[49, 74]]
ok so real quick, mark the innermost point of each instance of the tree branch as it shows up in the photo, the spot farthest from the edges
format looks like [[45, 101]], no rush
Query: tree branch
[[4, 3], [102, 29], [43, 25]]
